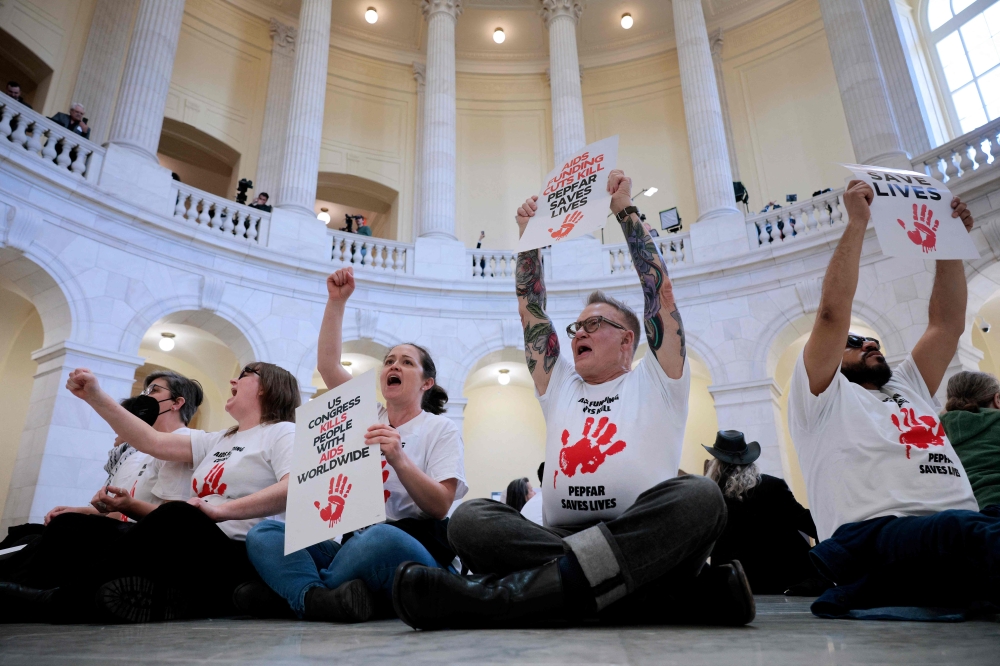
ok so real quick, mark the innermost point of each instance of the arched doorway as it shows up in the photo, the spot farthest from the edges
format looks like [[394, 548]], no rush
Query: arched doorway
[[199, 159], [343, 194]]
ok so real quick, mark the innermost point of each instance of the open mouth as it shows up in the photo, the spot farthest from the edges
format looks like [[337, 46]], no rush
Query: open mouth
[[582, 349], [393, 380], [233, 391]]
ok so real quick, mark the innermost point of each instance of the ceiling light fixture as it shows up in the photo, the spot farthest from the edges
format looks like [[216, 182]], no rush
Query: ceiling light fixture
[[498, 36], [504, 377], [347, 366], [626, 20], [371, 15], [650, 191], [324, 215], [167, 341]]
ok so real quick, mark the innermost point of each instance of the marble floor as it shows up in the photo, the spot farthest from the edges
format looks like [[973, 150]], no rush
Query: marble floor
[[783, 633]]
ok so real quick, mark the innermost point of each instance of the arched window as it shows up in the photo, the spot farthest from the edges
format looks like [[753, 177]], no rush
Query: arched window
[[965, 42]]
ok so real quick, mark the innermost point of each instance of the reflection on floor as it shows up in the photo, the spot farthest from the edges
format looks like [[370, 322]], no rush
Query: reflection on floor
[[783, 633]]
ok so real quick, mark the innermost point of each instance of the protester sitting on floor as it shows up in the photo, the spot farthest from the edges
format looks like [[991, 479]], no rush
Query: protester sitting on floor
[[898, 522], [423, 474], [519, 491], [74, 120], [765, 525], [624, 540], [972, 424], [532, 509]]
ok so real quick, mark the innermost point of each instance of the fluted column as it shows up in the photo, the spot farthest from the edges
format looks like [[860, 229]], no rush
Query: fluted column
[[716, 46], [279, 92], [568, 132], [420, 76], [103, 60], [146, 82]]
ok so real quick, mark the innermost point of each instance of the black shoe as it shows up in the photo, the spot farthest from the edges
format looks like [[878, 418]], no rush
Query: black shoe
[[429, 598], [257, 599], [351, 602], [24, 604], [723, 596], [135, 600]]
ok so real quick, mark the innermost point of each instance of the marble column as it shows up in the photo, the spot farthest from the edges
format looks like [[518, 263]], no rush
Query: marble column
[[103, 60], [754, 409], [420, 76], [716, 45], [568, 132], [279, 93], [305, 117], [863, 91]]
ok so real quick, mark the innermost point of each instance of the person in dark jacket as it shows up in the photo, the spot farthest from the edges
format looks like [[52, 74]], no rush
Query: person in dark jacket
[[74, 120], [972, 423], [765, 527]]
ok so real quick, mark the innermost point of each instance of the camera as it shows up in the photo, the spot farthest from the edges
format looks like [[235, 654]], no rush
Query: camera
[[791, 198], [241, 190]]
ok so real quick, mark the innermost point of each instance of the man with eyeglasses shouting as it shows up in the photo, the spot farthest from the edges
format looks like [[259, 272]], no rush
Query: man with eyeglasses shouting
[[624, 539], [898, 523]]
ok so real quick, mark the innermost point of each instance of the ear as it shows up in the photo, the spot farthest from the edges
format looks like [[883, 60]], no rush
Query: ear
[[428, 383], [996, 401], [629, 339], [178, 403]]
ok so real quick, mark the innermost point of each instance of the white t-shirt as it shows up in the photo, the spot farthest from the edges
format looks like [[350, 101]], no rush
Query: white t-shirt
[[434, 444], [608, 443], [532, 509], [866, 454], [228, 468], [142, 476], [173, 479]]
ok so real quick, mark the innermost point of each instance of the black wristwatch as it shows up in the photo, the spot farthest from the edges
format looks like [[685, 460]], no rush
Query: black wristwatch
[[625, 212]]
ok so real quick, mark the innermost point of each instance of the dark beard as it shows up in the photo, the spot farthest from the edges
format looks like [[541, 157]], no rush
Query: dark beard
[[861, 373]]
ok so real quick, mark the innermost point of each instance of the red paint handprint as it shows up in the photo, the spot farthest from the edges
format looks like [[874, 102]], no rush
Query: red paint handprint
[[925, 228], [334, 509], [920, 430], [567, 226], [211, 485], [587, 455], [385, 477]]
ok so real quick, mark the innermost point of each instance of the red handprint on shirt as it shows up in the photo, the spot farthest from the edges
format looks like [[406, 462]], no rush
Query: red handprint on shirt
[[334, 509], [567, 226], [587, 455], [925, 228], [211, 485], [385, 477], [920, 430]]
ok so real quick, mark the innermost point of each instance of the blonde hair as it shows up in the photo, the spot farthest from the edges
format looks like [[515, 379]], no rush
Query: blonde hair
[[734, 480]]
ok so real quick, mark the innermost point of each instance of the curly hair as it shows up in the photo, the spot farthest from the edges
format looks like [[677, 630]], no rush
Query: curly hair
[[734, 480]]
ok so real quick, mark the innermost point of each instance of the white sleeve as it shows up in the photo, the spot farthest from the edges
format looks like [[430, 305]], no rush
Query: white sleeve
[[561, 374], [282, 442], [805, 410], [675, 392], [907, 375], [202, 444], [446, 455]]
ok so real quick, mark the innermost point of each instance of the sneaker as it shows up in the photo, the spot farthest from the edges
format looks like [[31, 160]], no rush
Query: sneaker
[[351, 602], [136, 600], [257, 599]]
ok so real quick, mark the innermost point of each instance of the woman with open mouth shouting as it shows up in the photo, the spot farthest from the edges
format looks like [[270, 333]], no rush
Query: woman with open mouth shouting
[[423, 473]]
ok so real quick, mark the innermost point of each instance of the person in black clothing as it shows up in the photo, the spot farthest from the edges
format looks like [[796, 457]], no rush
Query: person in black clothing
[[74, 121], [765, 527], [260, 203], [14, 90]]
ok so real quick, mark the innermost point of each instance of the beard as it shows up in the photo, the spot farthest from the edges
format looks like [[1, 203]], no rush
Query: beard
[[862, 373]]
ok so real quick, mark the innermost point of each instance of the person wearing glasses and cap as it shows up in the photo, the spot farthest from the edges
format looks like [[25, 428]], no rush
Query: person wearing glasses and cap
[[623, 539], [891, 501]]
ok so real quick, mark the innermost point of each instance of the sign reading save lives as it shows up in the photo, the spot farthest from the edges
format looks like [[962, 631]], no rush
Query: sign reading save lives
[[575, 199], [912, 215], [335, 486]]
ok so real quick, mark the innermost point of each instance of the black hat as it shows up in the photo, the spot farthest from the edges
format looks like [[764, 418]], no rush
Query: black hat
[[731, 447], [143, 406]]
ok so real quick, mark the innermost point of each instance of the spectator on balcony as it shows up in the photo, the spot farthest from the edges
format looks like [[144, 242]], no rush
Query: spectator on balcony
[[363, 228], [14, 90], [482, 259], [260, 203], [74, 121]]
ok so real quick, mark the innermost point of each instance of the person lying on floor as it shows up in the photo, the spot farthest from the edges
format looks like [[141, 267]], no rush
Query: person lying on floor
[[159, 570], [623, 539], [897, 520], [423, 474]]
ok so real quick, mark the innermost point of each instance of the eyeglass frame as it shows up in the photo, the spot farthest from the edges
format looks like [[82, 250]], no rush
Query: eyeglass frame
[[582, 324], [247, 370], [152, 388], [863, 339]]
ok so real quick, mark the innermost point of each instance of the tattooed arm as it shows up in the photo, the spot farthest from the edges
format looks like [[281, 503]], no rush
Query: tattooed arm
[[664, 328], [541, 344]]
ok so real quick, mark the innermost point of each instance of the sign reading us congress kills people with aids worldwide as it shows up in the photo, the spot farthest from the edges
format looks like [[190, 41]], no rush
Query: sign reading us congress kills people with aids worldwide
[[912, 215], [335, 486], [575, 199]]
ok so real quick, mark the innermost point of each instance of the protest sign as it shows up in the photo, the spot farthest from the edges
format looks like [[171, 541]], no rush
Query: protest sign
[[335, 485], [912, 215], [575, 199]]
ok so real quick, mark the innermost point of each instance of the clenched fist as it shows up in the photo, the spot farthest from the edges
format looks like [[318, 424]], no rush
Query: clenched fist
[[857, 200], [340, 284], [525, 213], [83, 384], [620, 189]]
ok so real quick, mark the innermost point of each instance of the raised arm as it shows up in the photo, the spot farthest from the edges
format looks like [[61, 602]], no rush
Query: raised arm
[[945, 313], [541, 344], [163, 445], [339, 287], [664, 327], [824, 351]]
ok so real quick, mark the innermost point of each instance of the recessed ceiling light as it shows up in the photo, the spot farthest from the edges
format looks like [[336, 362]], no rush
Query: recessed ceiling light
[[626, 21], [504, 377], [324, 215], [167, 341], [371, 15], [498, 36], [650, 191]]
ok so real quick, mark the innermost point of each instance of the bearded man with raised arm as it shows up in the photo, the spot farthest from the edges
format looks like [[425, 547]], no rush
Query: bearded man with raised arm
[[623, 539], [896, 517]]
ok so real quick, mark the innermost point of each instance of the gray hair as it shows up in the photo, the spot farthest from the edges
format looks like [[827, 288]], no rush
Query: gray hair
[[971, 391], [76, 105], [180, 387], [734, 480], [631, 320]]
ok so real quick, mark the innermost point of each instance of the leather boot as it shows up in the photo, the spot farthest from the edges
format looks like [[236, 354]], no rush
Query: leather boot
[[257, 599], [351, 602], [25, 604], [429, 598]]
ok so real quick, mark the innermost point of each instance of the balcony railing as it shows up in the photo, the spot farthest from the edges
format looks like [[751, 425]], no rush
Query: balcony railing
[[675, 249], [229, 219], [52, 143], [377, 254], [783, 225], [492, 264], [963, 157]]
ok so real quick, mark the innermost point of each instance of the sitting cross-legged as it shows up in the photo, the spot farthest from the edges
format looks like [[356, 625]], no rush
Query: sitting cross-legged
[[423, 474], [624, 540]]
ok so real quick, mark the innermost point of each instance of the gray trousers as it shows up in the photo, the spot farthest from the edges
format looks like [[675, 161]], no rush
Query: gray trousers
[[670, 530]]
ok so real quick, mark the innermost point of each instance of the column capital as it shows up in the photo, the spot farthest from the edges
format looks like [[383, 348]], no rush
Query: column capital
[[282, 37], [715, 43], [420, 74], [451, 7], [552, 9]]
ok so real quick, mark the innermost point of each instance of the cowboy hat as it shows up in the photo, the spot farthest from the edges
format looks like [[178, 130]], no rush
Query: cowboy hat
[[731, 447]]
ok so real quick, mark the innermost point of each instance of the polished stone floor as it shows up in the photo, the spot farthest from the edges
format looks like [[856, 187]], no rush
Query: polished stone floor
[[783, 633]]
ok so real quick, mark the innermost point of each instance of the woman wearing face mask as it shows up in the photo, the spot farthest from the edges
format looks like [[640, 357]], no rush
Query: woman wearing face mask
[[423, 474]]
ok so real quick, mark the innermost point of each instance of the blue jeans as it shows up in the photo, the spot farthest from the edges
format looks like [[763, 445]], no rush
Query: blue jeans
[[371, 556]]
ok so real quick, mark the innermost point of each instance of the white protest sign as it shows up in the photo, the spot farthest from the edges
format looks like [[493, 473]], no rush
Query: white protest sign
[[335, 486], [912, 215], [575, 199]]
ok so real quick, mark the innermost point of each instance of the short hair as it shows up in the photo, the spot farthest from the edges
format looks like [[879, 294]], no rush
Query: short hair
[[75, 105], [180, 387], [279, 394], [631, 320], [13, 84], [264, 194]]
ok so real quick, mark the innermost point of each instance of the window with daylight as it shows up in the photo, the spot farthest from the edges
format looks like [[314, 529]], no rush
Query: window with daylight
[[965, 42]]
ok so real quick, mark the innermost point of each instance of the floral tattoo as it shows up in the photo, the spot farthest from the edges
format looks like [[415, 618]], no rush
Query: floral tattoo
[[540, 339]]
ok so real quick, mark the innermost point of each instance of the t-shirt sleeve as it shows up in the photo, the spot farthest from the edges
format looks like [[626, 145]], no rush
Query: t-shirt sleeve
[[202, 444], [281, 445], [446, 455], [805, 410], [907, 375], [675, 392], [561, 374]]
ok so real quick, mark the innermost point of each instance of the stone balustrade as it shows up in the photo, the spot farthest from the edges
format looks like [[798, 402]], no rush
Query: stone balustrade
[[227, 218], [675, 249], [965, 157], [369, 252], [53, 143], [782, 225], [492, 264]]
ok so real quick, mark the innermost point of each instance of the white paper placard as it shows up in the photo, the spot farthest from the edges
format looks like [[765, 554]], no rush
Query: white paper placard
[[335, 486], [912, 215], [575, 199]]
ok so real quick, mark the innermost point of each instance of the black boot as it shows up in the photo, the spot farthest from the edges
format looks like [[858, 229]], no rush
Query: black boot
[[257, 599], [25, 604], [136, 600], [351, 602], [428, 598]]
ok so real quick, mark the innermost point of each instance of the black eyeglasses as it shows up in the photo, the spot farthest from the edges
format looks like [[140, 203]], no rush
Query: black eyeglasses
[[248, 371], [858, 341], [590, 324]]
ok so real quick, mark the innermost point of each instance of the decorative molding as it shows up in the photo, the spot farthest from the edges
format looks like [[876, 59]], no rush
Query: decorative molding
[[512, 333], [23, 225], [548, 75], [420, 74], [809, 292], [451, 7], [552, 9], [367, 323], [211, 292], [715, 43], [283, 37]]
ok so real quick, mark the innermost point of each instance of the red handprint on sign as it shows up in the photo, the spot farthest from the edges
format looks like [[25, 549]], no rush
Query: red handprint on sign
[[587, 455], [334, 509], [925, 228], [567, 226], [920, 431], [385, 477], [211, 485]]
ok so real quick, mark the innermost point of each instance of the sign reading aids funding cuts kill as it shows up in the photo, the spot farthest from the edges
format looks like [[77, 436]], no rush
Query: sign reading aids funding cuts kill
[[575, 199], [335, 486], [912, 215]]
